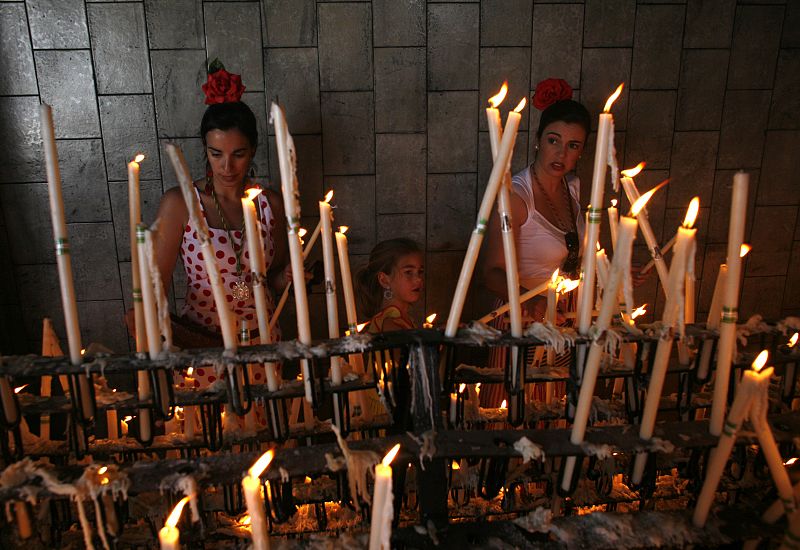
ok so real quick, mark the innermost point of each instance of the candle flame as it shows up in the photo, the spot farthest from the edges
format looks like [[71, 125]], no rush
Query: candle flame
[[612, 98], [498, 98], [102, 470], [633, 172], [504, 404], [793, 339], [19, 389], [246, 519], [138, 158], [430, 318], [790, 461], [261, 464], [127, 418], [390, 455], [691, 213], [744, 250], [360, 326], [639, 311], [307, 480], [614, 203], [554, 276], [343, 229], [329, 196], [521, 105], [189, 371], [567, 285], [478, 387], [641, 201], [83, 351], [456, 466], [252, 193], [760, 361], [597, 246], [302, 233], [175, 516], [104, 481], [461, 388]]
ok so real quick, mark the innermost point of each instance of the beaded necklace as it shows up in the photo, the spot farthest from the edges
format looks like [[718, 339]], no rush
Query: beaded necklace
[[241, 290]]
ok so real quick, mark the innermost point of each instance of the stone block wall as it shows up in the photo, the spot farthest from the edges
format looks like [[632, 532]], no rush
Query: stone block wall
[[385, 100]]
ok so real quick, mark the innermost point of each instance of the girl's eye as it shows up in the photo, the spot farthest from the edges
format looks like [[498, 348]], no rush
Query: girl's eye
[[574, 146], [552, 141]]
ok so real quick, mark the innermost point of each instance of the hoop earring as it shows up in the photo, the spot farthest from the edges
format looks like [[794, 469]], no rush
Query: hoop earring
[[387, 294], [251, 173]]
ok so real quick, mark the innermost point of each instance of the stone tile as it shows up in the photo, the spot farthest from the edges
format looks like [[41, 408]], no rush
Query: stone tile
[[233, 34], [791, 26], [102, 322], [309, 172], [42, 298], [702, 90], [692, 167], [23, 155], [398, 23], [177, 79], [453, 43], [66, 82], [772, 240], [13, 338], [719, 218], [791, 295], [94, 261], [609, 23], [452, 131], [400, 173], [400, 90], [451, 211], [8, 286], [506, 23], [292, 79], [651, 123], [505, 64], [119, 47], [657, 47], [57, 24], [30, 235], [83, 181], [744, 123], [519, 160], [194, 153], [755, 47], [602, 71], [175, 25], [129, 128], [781, 169], [555, 52], [709, 23], [348, 128], [715, 255], [656, 206], [785, 110], [355, 200], [345, 47], [255, 100], [442, 269], [752, 301], [289, 23], [150, 197], [410, 226], [16, 63]]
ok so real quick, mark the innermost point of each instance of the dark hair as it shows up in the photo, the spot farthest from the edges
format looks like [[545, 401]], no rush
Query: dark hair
[[568, 111], [227, 116], [382, 259]]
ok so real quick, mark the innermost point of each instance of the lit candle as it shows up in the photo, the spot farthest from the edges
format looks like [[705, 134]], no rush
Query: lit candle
[[347, 279], [501, 164], [134, 219], [152, 333], [63, 258], [169, 537], [124, 424], [429, 321], [677, 273], [325, 218], [730, 301], [550, 314], [613, 221], [111, 421], [251, 486], [689, 301], [380, 531]]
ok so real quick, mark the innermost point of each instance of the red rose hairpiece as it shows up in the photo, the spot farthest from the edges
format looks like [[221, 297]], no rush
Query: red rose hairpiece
[[549, 91], [222, 86]]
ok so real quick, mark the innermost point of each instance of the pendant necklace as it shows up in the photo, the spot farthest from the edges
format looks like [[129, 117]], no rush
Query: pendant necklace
[[240, 290]]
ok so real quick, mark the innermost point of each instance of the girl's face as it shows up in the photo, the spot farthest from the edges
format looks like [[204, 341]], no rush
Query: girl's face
[[407, 278], [560, 147], [229, 155]]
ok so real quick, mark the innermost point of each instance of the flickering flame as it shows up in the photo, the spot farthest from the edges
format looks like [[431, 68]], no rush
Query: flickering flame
[[175, 516], [567, 285], [793, 339], [190, 371], [478, 387], [521, 105], [252, 193], [639, 311], [461, 388], [246, 519], [138, 158], [554, 276], [760, 361], [498, 98], [303, 232], [633, 172], [83, 351], [430, 318], [390, 455], [19, 389], [307, 480], [102, 470], [597, 246], [261, 464], [744, 250], [504, 404], [127, 419], [360, 326], [343, 229], [612, 98], [641, 201], [456, 466], [790, 461], [329, 196], [691, 213], [104, 481], [614, 203]]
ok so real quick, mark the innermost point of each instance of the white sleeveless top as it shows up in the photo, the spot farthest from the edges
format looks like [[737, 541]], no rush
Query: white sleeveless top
[[541, 247]]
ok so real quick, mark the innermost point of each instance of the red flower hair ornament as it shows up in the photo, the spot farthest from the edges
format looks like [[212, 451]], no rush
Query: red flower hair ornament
[[222, 86], [549, 91]]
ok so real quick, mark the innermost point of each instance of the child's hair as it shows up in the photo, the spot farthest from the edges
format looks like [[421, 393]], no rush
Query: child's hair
[[382, 259]]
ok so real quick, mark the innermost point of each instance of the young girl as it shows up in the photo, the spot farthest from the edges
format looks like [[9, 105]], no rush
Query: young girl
[[390, 284]]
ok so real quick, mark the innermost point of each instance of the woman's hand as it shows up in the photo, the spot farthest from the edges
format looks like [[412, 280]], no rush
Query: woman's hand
[[535, 308]]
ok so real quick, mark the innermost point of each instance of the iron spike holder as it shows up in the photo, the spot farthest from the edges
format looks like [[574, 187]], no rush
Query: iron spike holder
[[515, 385]]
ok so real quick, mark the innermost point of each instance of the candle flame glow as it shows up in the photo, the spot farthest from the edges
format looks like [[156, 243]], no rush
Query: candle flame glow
[[102, 470], [138, 158], [641, 201], [252, 193], [760, 361], [691, 213], [19, 389], [430, 318], [498, 98], [329, 196], [639, 311], [744, 250], [343, 229], [246, 519], [390, 455], [189, 371], [793, 339], [790, 461], [504, 404], [567, 285], [456, 466], [554, 276], [175, 515], [614, 203], [261, 464], [461, 388], [303, 232], [521, 105], [104, 481], [633, 172], [127, 419], [597, 246], [307, 480], [360, 326], [613, 97]]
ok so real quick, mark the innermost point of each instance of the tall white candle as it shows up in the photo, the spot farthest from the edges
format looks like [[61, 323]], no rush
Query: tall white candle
[[347, 280], [613, 222], [730, 301], [380, 530], [325, 217], [251, 486], [134, 219], [169, 537], [151, 324]]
